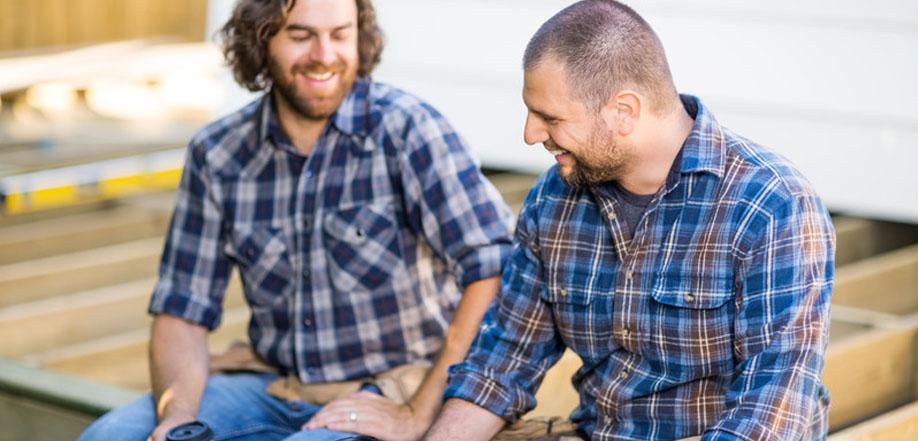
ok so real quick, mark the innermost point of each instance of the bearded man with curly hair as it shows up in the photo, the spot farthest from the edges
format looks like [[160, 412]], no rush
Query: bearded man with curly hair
[[367, 240]]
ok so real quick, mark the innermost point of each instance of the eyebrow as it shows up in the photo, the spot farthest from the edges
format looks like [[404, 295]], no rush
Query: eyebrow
[[294, 27], [543, 115]]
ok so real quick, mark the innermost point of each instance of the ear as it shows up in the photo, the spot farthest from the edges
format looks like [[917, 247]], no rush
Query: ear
[[623, 111]]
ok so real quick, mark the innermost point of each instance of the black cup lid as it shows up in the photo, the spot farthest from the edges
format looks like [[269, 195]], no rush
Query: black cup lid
[[193, 431]]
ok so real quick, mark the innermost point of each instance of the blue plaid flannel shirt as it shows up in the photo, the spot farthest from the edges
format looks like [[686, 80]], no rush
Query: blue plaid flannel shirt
[[712, 319], [353, 258]]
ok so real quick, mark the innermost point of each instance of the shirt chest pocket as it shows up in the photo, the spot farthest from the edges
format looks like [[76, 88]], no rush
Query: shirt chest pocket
[[582, 315], [263, 263], [691, 323], [362, 247]]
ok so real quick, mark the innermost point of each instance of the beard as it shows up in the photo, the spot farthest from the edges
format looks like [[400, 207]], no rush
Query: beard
[[315, 108], [601, 160]]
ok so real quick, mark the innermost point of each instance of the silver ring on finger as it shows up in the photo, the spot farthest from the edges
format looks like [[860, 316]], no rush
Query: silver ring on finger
[[352, 416]]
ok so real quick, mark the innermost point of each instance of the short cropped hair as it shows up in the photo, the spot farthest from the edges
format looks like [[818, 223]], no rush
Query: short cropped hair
[[246, 34], [604, 47]]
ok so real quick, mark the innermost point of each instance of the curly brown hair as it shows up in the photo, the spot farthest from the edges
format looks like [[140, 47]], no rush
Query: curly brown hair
[[246, 34]]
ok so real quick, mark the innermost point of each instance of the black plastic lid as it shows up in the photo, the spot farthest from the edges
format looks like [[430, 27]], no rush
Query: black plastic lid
[[193, 431]]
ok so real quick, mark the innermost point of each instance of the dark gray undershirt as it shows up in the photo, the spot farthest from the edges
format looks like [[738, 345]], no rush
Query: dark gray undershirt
[[632, 206]]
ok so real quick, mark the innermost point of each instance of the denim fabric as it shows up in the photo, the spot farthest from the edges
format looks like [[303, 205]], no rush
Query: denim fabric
[[235, 406]]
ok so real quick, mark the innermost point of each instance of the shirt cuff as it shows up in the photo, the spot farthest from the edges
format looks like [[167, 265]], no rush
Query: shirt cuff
[[186, 307], [481, 391], [484, 263]]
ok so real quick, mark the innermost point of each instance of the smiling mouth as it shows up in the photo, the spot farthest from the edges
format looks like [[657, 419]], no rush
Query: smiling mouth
[[319, 76]]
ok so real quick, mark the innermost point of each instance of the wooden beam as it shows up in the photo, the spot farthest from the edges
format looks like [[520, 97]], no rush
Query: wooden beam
[[869, 374], [49, 237], [122, 359], [25, 419], [858, 238], [83, 316], [37, 279], [898, 425], [20, 380], [885, 283]]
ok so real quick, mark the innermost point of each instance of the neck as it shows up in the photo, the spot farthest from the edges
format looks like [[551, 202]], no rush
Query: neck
[[303, 132], [656, 151]]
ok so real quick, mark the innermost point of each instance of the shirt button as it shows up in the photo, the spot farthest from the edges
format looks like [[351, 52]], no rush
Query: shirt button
[[629, 275], [563, 292], [689, 298], [307, 322], [626, 332], [623, 375], [306, 273], [308, 174], [610, 215]]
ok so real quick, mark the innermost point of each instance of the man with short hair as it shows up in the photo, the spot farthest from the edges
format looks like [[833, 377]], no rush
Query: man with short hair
[[689, 268], [367, 240]]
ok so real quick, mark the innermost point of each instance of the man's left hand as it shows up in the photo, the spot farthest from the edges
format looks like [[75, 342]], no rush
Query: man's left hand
[[372, 415]]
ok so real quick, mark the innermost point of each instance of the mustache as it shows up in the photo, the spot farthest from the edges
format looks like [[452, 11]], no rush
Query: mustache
[[337, 66], [552, 145]]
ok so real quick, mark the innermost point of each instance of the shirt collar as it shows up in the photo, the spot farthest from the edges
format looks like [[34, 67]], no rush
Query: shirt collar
[[703, 150], [353, 116]]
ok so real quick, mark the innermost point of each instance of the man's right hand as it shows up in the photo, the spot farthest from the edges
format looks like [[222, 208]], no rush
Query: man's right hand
[[164, 426]]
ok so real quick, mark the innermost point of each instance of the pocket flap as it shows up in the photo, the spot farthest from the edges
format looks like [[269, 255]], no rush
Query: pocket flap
[[693, 291]]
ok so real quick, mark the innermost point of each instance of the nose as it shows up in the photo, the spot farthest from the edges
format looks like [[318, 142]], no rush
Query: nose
[[322, 51], [534, 131]]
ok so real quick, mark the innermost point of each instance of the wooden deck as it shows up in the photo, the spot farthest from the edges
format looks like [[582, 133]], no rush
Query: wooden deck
[[75, 282]]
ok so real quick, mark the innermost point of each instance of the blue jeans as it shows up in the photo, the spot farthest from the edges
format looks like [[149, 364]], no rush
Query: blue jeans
[[236, 407]]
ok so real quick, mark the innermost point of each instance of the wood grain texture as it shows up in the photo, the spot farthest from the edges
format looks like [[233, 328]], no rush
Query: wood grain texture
[[36, 24]]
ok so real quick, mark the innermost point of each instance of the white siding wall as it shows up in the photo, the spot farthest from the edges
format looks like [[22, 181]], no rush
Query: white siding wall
[[830, 84]]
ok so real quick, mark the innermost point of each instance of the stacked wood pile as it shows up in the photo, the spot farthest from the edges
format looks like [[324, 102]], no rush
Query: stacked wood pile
[[75, 283]]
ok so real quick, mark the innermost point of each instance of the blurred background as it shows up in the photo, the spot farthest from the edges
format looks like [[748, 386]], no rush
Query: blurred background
[[98, 99]]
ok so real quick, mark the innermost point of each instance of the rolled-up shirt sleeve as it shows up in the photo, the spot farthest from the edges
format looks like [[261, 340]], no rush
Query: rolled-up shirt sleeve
[[517, 342], [459, 212], [194, 270], [781, 328]]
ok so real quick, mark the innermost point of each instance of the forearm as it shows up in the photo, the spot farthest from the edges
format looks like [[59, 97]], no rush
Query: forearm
[[476, 299], [466, 421], [178, 367]]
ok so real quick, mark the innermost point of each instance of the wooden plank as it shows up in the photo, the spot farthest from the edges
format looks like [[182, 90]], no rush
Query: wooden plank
[[52, 276], [885, 283], [79, 395], [122, 359], [898, 425], [869, 374], [84, 316], [852, 238], [858, 238], [45, 238], [43, 23], [25, 419]]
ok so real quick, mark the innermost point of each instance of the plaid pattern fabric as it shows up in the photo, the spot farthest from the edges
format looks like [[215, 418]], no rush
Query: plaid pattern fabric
[[353, 258], [713, 318]]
